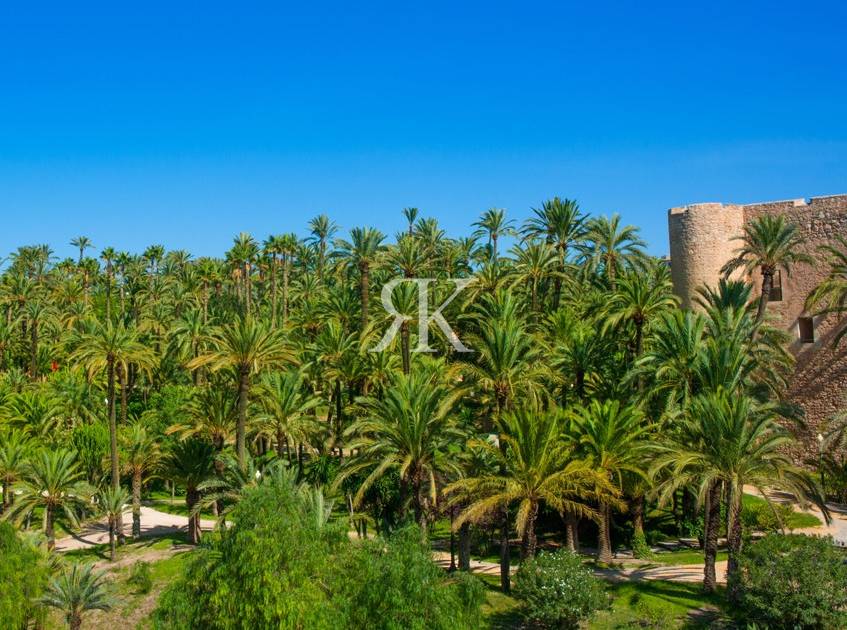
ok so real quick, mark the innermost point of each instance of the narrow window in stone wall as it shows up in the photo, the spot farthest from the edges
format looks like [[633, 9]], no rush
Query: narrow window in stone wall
[[776, 289], [806, 329]]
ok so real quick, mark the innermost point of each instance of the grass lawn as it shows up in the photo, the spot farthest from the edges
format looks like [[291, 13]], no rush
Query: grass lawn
[[683, 556], [638, 604], [95, 553], [795, 520], [176, 506]]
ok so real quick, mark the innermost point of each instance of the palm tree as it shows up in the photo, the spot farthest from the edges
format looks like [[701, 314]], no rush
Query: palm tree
[[189, 463], [285, 405], [109, 255], [493, 224], [112, 503], [561, 224], [612, 246], [613, 438], [830, 296], [76, 590], [111, 347], [637, 299], [410, 430], [728, 440], [411, 215], [14, 451], [535, 263], [246, 346], [769, 244], [140, 457], [536, 465], [361, 252], [323, 229], [52, 481], [82, 243]]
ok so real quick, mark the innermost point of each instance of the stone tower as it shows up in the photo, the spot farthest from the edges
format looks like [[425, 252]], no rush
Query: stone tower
[[701, 243]]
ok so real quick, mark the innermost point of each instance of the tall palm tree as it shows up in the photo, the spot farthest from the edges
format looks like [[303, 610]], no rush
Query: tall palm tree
[[112, 503], [323, 230], [536, 466], [613, 438], [14, 452], [410, 430], [189, 463], [637, 299], [52, 482], [108, 256], [769, 244], [361, 253], [140, 457], [534, 264], [493, 224], [82, 243], [285, 405], [560, 223], [77, 590], [611, 246], [728, 440], [411, 215], [247, 346], [830, 296], [111, 347]]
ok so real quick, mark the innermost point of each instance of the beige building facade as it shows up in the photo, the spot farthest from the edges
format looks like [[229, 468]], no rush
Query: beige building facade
[[701, 243]]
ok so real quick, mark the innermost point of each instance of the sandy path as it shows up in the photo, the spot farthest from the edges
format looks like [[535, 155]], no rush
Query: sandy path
[[153, 523]]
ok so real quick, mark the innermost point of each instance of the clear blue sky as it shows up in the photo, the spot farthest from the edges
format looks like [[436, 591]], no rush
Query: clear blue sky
[[184, 126]]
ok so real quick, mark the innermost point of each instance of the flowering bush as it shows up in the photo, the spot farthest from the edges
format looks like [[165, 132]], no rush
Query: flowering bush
[[558, 590]]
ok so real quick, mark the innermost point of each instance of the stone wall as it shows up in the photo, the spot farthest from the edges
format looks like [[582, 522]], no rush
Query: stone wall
[[700, 244]]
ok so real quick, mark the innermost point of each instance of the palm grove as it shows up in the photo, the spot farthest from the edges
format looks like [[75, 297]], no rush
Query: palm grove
[[589, 397]]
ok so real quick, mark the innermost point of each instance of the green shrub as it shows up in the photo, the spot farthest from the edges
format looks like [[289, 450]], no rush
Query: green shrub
[[396, 585], [765, 518], [23, 578], [279, 566], [140, 577], [558, 590], [793, 581]]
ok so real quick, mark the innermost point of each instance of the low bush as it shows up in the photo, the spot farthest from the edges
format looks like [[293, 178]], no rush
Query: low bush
[[558, 590], [23, 577], [793, 581], [140, 577]]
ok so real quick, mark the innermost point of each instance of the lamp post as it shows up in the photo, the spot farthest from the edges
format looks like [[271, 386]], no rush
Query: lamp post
[[820, 465]]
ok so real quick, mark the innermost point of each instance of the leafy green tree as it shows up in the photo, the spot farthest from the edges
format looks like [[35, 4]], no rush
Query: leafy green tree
[[613, 438], [77, 590], [23, 573], [14, 451], [361, 253], [410, 429], [535, 466], [54, 483], [112, 503], [189, 463], [830, 295], [768, 244], [140, 458], [247, 346]]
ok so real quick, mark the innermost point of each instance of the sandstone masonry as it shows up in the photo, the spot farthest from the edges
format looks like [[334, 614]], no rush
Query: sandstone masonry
[[701, 242]]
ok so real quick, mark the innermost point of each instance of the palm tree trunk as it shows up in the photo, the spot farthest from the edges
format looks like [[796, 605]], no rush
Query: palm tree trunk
[[530, 540], [273, 290], [364, 271], [733, 541], [767, 285], [280, 451], [636, 508], [241, 424], [33, 359], [710, 535], [113, 548], [404, 347], [109, 292], [49, 530], [285, 272], [572, 532], [604, 542], [465, 547], [505, 553], [74, 621], [113, 429], [136, 504], [191, 499]]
